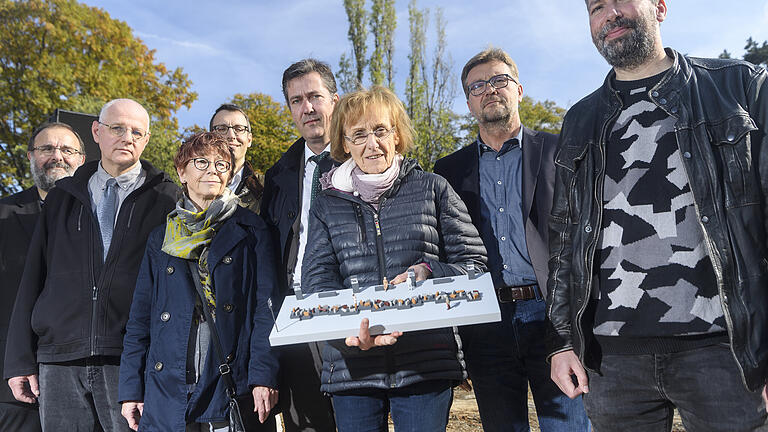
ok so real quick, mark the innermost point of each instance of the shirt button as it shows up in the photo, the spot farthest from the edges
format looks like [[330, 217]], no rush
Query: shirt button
[[673, 110], [501, 209], [588, 229], [705, 219], [159, 366], [687, 155], [169, 270], [498, 182], [503, 238], [228, 307], [165, 316], [663, 101], [498, 158], [227, 260], [506, 266], [655, 93]]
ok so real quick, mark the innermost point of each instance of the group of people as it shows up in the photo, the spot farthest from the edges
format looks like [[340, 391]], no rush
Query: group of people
[[628, 256]]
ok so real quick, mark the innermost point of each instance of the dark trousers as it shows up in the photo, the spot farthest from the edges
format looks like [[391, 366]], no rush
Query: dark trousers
[[19, 417], [304, 407], [640, 392], [81, 395], [503, 359], [421, 407]]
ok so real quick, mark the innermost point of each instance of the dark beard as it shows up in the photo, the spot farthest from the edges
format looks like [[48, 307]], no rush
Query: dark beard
[[629, 51], [42, 179]]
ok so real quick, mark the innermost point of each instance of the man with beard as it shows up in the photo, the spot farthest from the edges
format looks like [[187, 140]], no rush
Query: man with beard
[[231, 122], [505, 178], [66, 331], [659, 269], [289, 188], [54, 151]]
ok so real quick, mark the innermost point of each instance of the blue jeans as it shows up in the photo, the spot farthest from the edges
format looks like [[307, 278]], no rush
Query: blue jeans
[[640, 392], [503, 359], [81, 395], [418, 408]]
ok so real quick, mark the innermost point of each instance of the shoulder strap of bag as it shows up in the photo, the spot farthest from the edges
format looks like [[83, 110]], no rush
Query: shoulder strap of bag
[[224, 369]]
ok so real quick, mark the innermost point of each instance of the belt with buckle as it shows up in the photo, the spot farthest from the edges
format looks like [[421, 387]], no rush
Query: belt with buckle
[[510, 294]]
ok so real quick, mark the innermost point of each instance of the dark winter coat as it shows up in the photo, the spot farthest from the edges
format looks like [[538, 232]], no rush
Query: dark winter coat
[[153, 364], [71, 303], [421, 219], [18, 215]]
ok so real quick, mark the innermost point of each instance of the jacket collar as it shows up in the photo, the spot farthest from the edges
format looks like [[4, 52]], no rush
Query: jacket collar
[[668, 88]]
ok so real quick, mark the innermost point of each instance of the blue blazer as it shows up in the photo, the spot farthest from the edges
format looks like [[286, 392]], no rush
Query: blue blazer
[[461, 170], [153, 363]]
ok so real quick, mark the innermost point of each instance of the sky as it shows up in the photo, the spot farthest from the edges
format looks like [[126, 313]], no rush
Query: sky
[[244, 46]]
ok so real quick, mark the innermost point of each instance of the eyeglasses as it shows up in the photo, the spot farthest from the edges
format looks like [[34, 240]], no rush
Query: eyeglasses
[[119, 130], [224, 129], [360, 137], [477, 88], [202, 164], [49, 150]]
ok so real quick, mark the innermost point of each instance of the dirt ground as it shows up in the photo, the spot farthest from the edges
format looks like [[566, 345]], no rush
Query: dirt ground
[[464, 416]]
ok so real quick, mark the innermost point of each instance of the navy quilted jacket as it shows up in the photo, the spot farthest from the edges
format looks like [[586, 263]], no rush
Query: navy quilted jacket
[[421, 219]]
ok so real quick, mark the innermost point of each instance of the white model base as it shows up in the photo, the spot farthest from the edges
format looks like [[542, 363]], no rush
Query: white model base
[[289, 329]]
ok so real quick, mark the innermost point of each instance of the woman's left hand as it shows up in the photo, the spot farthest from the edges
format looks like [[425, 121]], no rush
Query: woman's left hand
[[422, 273], [264, 399]]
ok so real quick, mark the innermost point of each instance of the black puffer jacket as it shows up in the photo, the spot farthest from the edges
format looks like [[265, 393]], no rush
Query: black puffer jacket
[[421, 219]]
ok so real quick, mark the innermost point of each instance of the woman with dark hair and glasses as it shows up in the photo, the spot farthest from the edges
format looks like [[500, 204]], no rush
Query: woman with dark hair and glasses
[[377, 216], [170, 376]]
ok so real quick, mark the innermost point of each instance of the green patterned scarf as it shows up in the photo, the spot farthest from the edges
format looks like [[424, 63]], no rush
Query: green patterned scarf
[[188, 235]]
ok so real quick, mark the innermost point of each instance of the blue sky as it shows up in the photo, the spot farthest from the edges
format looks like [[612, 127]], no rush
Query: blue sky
[[244, 46]]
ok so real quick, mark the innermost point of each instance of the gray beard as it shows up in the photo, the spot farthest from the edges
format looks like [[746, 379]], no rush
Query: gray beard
[[44, 181], [496, 118], [630, 51]]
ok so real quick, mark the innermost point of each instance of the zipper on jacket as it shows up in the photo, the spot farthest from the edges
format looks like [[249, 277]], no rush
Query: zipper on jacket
[[80, 218], [360, 223], [716, 266], [95, 292], [130, 215], [380, 247], [590, 255]]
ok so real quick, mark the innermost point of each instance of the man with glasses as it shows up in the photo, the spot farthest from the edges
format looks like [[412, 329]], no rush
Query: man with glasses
[[66, 330], [231, 122], [310, 92], [54, 151], [505, 178]]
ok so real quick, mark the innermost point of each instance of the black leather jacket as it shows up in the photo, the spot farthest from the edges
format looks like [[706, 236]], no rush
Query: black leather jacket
[[721, 107]]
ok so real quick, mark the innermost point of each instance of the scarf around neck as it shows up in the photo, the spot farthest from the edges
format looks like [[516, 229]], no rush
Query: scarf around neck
[[188, 234], [348, 177]]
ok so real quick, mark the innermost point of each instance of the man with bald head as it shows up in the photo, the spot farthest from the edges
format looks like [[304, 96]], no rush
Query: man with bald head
[[65, 335], [55, 151]]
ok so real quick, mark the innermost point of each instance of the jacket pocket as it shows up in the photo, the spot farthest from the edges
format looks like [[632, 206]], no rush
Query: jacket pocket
[[732, 145]]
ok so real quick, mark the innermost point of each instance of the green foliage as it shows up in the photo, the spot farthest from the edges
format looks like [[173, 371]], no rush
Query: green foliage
[[383, 22], [756, 54], [352, 68], [272, 128], [724, 55], [63, 54]]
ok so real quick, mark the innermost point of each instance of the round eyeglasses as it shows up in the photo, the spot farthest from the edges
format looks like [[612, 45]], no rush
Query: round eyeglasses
[[202, 164]]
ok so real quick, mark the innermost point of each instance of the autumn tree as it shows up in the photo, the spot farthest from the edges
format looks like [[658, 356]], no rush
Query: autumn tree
[[64, 54], [272, 128]]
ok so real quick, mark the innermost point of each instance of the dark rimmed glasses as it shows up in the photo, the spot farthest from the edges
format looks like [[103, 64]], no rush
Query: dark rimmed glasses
[[202, 164], [477, 88], [223, 129]]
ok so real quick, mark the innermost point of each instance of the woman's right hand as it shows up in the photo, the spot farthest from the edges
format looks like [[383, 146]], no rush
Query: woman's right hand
[[132, 411], [364, 341]]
